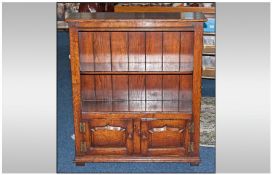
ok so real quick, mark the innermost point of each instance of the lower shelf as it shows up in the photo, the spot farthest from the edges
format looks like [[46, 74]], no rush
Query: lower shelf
[[89, 158], [184, 106], [136, 115]]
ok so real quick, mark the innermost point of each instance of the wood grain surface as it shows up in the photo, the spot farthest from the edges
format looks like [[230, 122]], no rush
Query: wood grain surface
[[136, 86]]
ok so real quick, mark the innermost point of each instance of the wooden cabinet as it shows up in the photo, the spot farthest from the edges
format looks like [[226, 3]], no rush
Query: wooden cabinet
[[136, 86]]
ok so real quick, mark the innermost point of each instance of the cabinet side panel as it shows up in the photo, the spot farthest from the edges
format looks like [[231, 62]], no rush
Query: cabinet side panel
[[102, 53], [186, 51], [75, 72], [153, 51], [86, 56], [136, 51], [119, 49], [171, 49], [198, 44]]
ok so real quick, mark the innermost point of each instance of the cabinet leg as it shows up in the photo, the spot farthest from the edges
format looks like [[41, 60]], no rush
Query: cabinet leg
[[80, 163], [194, 163]]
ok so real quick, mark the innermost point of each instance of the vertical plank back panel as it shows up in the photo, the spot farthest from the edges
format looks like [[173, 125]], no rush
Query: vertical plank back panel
[[186, 51], [136, 51], [153, 51], [136, 87], [185, 94], [120, 87], [102, 51], [154, 92], [170, 92], [86, 56], [119, 49], [120, 92], [153, 87], [103, 84], [137, 92], [87, 87], [171, 49], [186, 87], [170, 87]]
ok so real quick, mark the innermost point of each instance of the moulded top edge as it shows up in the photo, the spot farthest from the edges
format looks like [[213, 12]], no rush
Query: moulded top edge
[[162, 16]]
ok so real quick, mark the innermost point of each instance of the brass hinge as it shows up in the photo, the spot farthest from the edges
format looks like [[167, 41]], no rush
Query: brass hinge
[[83, 147], [82, 127], [191, 147]]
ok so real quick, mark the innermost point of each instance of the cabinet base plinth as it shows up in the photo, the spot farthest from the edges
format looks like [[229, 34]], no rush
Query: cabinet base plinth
[[96, 158]]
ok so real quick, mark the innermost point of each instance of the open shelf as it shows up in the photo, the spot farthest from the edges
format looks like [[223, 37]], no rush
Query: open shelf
[[136, 73], [136, 67], [136, 92], [136, 51], [138, 106]]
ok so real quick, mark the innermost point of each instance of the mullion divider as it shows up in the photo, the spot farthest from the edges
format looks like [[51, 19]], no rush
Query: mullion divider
[[94, 76], [145, 66], [179, 69], [162, 51], [145, 48], [93, 51], [128, 70], [110, 50], [179, 92], [145, 91], [128, 94], [162, 70]]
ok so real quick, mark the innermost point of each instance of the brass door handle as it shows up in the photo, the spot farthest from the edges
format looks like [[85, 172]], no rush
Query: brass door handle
[[108, 127]]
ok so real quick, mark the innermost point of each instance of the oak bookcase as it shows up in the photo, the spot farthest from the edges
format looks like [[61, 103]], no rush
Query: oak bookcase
[[136, 83]]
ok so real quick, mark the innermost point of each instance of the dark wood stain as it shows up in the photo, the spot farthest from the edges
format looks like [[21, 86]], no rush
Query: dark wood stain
[[136, 81]]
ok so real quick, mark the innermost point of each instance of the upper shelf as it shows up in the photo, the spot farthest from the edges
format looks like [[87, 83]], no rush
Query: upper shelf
[[117, 17]]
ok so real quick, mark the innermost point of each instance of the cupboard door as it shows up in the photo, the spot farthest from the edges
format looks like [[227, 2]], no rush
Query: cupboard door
[[160, 137], [109, 137]]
